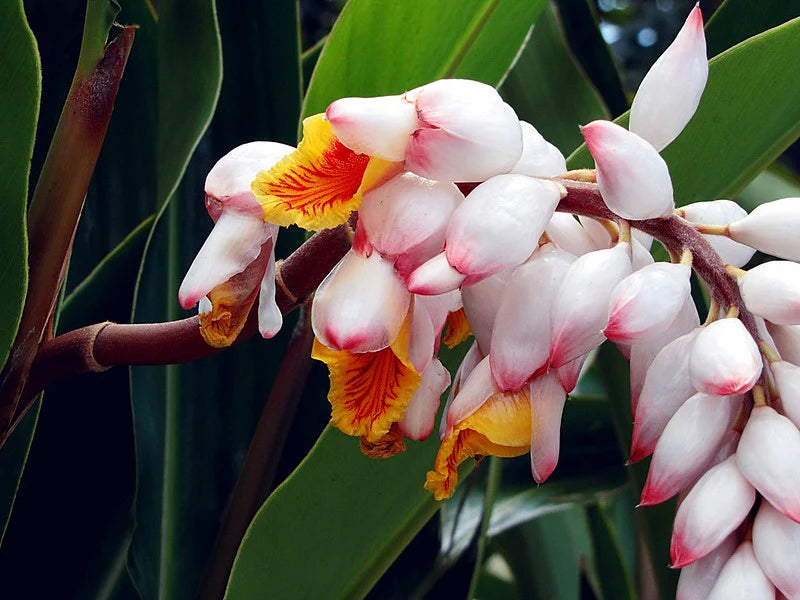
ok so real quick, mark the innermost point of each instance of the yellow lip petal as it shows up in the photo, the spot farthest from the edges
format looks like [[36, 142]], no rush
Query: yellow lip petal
[[456, 328]]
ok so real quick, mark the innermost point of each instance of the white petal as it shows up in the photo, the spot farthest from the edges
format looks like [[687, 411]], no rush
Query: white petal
[[724, 359], [787, 340], [716, 506], [434, 277], [406, 212], [720, 212], [568, 234], [772, 290], [666, 387], [687, 445], [580, 309], [468, 134], [468, 363], [769, 456], [647, 301], [481, 302], [361, 304], [378, 127], [787, 381], [772, 228], [570, 373], [547, 403], [228, 181], [521, 336], [698, 578], [475, 390], [742, 578], [539, 157], [417, 423], [270, 318], [670, 92], [422, 344], [633, 179], [499, 224], [233, 244], [776, 544], [643, 353]]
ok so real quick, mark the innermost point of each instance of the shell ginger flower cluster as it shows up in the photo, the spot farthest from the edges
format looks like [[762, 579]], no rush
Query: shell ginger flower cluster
[[468, 224]]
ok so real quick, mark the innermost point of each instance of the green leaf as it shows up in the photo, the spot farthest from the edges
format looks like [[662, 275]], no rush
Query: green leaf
[[737, 20], [19, 110], [772, 184], [378, 48], [193, 422], [309, 60], [616, 579], [548, 88], [748, 115]]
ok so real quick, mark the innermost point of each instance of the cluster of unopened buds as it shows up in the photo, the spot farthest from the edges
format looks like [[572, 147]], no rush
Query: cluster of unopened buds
[[466, 224]]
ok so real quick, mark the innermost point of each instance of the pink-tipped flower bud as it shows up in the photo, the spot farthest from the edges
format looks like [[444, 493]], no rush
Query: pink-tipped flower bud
[[715, 506], [772, 290], [580, 309], [499, 224], [569, 373], [567, 233], [688, 445], [539, 157], [776, 543], [670, 92], [698, 578], [787, 381], [379, 127], [772, 228], [742, 578], [724, 359], [521, 335], [647, 301], [418, 420], [666, 387], [633, 179], [547, 404], [434, 277], [769, 456], [720, 212]]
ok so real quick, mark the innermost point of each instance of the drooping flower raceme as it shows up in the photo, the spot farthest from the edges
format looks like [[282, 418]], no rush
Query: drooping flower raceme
[[460, 232]]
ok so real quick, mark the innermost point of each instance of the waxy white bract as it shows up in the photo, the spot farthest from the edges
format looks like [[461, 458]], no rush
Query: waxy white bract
[[742, 578], [769, 456], [772, 290], [787, 382], [475, 390], [481, 301], [547, 403], [567, 233], [776, 544], [633, 179], [521, 335], [418, 421], [720, 212], [715, 506], [772, 228], [698, 578], [647, 301], [670, 92], [787, 341], [580, 310], [539, 157], [724, 359]]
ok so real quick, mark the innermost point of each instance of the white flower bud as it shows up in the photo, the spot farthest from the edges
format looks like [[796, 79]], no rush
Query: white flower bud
[[787, 341], [647, 301], [776, 543], [418, 420], [787, 381], [539, 157], [567, 233], [633, 179], [769, 456], [720, 212], [670, 92], [724, 359], [580, 310], [772, 228], [715, 506], [742, 578], [547, 403], [434, 277], [481, 301], [772, 290], [698, 578]]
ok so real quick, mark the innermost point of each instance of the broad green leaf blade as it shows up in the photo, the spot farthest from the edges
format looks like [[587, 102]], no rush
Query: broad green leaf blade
[[19, 109], [378, 48], [615, 578], [203, 413], [774, 183], [309, 60], [737, 20], [548, 88], [748, 115]]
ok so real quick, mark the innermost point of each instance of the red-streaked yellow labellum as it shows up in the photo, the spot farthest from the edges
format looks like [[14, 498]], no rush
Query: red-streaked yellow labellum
[[501, 427], [390, 444], [456, 328], [370, 391], [319, 184]]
